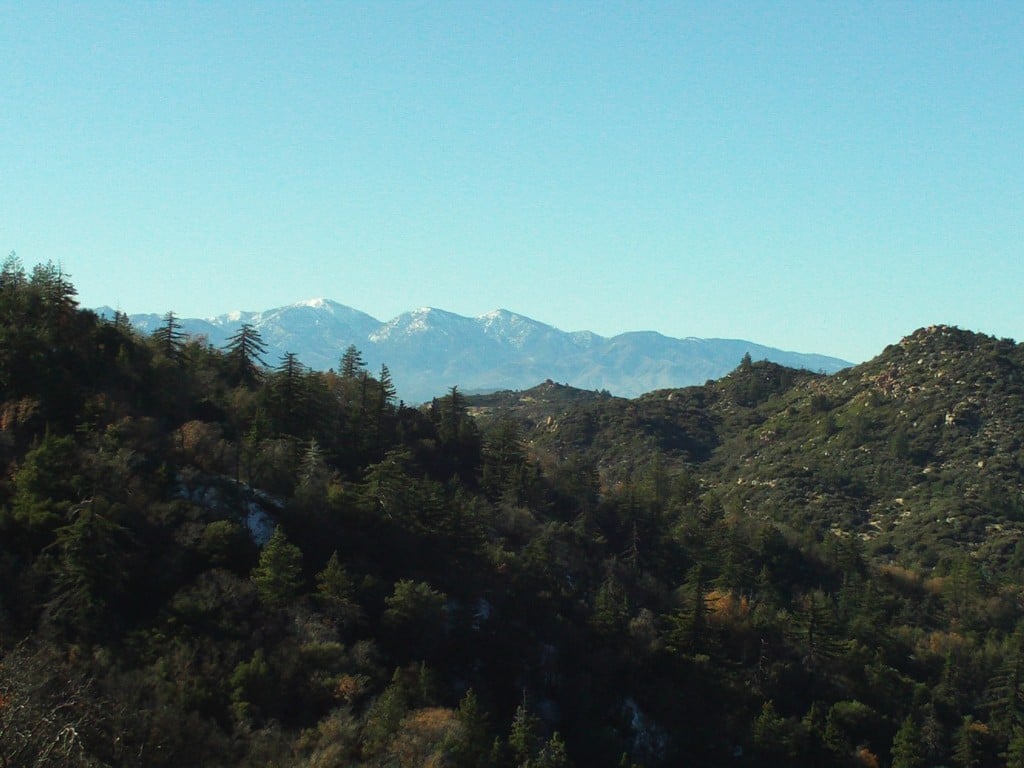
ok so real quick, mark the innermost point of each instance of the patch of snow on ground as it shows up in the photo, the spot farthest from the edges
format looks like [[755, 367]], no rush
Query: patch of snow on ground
[[648, 738], [260, 524]]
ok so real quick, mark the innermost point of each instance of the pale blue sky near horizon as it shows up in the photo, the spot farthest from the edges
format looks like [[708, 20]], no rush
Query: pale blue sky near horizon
[[820, 177]]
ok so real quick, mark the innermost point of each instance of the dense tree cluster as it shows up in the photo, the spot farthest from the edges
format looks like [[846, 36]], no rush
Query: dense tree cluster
[[205, 560]]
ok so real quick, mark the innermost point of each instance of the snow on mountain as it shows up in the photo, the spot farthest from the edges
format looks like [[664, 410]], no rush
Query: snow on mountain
[[512, 329], [428, 350]]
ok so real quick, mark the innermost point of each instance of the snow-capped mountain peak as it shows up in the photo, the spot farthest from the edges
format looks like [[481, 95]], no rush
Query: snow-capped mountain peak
[[428, 350]]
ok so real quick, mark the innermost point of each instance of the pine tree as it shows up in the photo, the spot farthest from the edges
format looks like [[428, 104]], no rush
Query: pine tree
[[553, 754], [768, 732], [55, 288], [288, 395], [470, 745], [89, 570], [611, 607], [244, 352], [967, 750], [736, 574], [385, 713], [337, 592], [688, 626], [813, 628], [813, 725], [381, 405], [169, 338], [414, 618], [12, 273], [313, 472], [933, 735], [504, 463], [278, 575], [334, 583], [352, 364], [387, 388], [523, 739], [907, 748], [1006, 689], [1015, 749]]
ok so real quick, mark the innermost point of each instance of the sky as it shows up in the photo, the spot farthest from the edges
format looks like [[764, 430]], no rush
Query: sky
[[817, 176]]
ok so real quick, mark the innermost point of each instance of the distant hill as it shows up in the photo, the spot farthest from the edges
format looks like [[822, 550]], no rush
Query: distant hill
[[430, 350], [918, 452]]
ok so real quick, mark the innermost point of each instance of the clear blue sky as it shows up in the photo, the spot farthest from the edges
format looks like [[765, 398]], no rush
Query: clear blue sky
[[816, 176]]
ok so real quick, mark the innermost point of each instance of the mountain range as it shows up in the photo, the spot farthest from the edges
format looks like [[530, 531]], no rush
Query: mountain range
[[429, 350]]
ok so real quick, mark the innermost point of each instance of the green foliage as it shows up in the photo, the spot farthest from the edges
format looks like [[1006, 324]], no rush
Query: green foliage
[[688, 630], [47, 483], [1015, 749], [333, 581], [252, 686], [907, 749], [470, 745], [225, 544], [523, 738], [611, 607], [352, 365], [504, 463], [385, 714], [849, 724], [244, 354], [89, 570], [278, 576], [769, 733], [169, 338], [414, 618], [969, 748], [337, 594]]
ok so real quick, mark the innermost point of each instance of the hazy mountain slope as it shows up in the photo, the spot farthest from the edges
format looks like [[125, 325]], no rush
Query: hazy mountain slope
[[429, 350], [919, 449], [919, 452]]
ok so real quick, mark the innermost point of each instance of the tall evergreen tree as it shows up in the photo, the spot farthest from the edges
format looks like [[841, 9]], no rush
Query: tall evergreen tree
[[387, 388], [469, 746], [288, 396], [278, 575], [89, 570], [967, 748], [813, 628], [55, 288], [352, 364], [688, 626], [244, 352], [169, 337], [1015, 749], [504, 462], [523, 738], [907, 748], [12, 273]]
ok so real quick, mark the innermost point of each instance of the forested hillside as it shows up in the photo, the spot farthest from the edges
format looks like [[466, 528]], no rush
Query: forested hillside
[[208, 558]]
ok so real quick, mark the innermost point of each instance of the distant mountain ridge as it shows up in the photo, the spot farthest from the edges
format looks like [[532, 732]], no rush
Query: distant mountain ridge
[[429, 350]]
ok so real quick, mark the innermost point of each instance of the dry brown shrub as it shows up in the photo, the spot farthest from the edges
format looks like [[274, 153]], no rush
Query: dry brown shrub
[[899, 576], [421, 736], [867, 758], [727, 606]]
